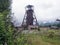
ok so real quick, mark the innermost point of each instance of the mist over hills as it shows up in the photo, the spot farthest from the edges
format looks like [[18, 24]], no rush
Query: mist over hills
[[49, 23], [18, 23]]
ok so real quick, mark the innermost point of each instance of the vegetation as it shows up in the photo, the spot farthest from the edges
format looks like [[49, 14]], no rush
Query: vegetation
[[4, 5], [43, 37], [5, 24]]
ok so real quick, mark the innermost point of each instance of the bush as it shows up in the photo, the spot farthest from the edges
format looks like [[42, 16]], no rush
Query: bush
[[51, 35]]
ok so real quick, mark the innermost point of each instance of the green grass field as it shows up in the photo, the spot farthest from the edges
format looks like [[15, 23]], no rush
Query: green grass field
[[42, 37]]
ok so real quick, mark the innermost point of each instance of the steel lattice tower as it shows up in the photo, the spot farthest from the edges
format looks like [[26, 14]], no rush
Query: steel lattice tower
[[29, 17]]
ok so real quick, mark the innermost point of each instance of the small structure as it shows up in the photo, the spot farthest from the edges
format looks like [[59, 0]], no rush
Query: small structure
[[29, 19], [31, 27]]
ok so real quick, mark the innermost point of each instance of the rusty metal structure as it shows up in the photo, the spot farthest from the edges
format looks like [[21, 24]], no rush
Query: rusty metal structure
[[29, 17]]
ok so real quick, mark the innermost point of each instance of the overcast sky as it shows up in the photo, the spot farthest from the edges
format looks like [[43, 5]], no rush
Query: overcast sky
[[44, 9]]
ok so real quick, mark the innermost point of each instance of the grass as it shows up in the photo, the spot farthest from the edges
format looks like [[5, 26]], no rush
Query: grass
[[36, 40], [43, 37]]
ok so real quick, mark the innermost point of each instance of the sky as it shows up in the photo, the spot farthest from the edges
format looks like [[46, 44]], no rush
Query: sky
[[44, 9]]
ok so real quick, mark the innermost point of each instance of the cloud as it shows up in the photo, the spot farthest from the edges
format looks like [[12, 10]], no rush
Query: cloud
[[44, 9]]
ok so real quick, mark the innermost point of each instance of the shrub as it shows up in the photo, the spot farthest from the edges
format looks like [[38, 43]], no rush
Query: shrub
[[51, 35]]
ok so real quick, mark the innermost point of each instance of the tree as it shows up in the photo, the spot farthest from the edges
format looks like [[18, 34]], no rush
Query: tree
[[58, 25], [4, 5], [5, 24]]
